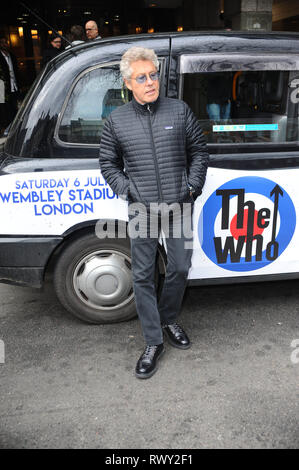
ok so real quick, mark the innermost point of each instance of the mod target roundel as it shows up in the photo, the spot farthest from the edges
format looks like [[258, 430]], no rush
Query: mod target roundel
[[247, 223]]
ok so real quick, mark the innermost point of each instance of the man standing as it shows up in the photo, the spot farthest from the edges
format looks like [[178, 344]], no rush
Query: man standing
[[92, 30], [8, 65], [154, 152]]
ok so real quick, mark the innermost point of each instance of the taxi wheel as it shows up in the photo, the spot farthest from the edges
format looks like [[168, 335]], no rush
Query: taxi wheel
[[93, 281]]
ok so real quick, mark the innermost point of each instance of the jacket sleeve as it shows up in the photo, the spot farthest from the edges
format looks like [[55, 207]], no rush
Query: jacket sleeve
[[111, 161], [197, 153]]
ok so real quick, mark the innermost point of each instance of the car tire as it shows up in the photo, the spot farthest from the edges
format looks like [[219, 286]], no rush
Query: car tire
[[92, 279]]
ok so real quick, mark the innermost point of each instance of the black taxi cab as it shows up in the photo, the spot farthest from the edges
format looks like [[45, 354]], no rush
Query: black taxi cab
[[243, 88]]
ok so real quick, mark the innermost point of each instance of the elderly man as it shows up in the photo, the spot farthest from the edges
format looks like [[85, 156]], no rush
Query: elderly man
[[92, 30], [153, 152]]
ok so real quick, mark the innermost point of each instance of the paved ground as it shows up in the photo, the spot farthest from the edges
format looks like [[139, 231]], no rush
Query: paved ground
[[65, 384]]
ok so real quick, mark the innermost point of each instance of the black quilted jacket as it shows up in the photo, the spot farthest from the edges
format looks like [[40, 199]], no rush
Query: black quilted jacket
[[152, 153]]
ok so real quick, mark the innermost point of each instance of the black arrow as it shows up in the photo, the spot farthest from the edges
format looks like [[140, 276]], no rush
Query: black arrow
[[276, 191]]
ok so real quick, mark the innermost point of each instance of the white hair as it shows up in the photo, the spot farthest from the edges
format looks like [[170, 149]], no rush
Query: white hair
[[132, 55]]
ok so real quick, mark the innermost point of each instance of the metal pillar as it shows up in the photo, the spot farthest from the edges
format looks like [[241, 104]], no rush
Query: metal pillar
[[249, 15]]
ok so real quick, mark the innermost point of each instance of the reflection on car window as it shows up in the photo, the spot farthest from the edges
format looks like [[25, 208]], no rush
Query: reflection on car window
[[94, 96], [242, 106]]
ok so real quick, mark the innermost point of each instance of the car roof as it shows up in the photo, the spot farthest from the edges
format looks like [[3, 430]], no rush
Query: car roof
[[169, 35]]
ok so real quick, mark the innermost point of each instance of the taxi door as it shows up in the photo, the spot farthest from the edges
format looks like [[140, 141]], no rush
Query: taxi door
[[245, 220]]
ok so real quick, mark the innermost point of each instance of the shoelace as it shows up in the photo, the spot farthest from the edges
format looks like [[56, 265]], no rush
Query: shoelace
[[149, 352], [175, 328]]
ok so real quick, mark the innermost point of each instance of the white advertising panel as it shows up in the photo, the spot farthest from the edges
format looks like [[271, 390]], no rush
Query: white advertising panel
[[245, 224], [49, 203], [244, 221]]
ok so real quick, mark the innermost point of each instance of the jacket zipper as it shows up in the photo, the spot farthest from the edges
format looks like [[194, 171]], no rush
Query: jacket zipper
[[154, 154]]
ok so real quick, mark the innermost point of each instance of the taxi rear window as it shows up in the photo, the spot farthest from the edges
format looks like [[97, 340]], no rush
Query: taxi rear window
[[243, 100], [94, 95]]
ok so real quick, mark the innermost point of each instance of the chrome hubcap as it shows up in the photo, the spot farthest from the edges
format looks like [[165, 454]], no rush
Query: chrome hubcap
[[103, 280]]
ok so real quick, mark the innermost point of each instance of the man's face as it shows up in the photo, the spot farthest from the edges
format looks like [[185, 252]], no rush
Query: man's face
[[4, 44], [148, 91], [91, 30], [56, 43]]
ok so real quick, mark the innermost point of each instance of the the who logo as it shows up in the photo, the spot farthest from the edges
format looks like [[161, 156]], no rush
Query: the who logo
[[247, 223]]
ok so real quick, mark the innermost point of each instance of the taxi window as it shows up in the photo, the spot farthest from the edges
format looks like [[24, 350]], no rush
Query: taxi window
[[239, 102], [95, 94]]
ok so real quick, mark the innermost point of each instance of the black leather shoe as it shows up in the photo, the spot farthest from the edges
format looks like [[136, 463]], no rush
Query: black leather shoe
[[176, 336], [147, 363]]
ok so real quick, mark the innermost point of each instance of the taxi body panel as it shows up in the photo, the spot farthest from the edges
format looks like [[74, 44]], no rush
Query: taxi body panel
[[245, 220]]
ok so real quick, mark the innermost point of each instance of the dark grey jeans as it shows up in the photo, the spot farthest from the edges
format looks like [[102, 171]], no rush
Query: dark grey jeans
[[144, 250]]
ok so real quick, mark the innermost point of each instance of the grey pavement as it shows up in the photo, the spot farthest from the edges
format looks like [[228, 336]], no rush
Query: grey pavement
[[67, 384]]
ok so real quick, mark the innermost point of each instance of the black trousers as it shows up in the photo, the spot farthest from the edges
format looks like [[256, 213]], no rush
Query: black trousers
[[8, 110], [178, 237]]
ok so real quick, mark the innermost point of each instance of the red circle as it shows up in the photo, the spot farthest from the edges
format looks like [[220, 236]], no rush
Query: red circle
[[237, 232]]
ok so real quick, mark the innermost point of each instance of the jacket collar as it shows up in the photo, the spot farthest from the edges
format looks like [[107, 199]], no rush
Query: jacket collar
[[144, 108]]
